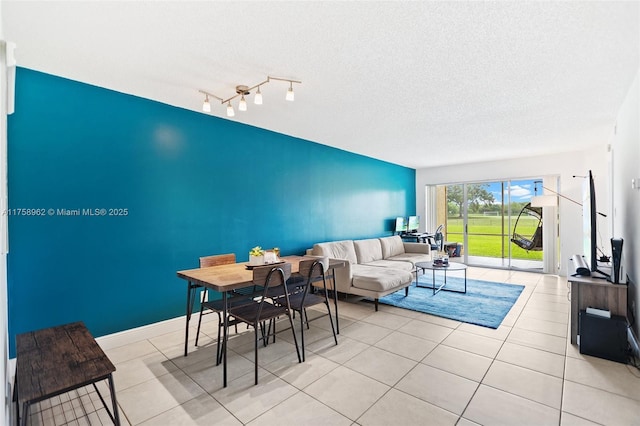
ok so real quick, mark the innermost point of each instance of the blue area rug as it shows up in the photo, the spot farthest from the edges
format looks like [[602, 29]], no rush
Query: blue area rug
[[485, 303]]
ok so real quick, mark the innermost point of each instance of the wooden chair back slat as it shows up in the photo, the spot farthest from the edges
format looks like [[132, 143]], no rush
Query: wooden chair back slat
[[260, 274], [305, 267], [217, 260]]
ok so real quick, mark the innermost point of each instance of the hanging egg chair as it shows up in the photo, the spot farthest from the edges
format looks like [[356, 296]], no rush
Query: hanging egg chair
[[533, 242]]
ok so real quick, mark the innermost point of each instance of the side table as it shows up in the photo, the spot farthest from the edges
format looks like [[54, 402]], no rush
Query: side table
[[57, 360], [451, 267]]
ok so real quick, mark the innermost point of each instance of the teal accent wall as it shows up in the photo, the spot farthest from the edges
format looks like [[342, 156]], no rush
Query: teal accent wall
[[192, 185]]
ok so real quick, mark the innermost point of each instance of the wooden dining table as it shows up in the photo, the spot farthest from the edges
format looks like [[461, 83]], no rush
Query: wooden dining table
[[225, 278]]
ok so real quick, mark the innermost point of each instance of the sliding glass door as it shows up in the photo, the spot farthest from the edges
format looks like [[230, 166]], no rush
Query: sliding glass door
[[454, 226], [526, 225], [481, 220]]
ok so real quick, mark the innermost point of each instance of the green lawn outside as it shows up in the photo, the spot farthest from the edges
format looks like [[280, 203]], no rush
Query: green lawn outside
[[492, 245]]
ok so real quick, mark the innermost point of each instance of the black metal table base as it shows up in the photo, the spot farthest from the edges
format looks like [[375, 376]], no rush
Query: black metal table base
[[441, 287]]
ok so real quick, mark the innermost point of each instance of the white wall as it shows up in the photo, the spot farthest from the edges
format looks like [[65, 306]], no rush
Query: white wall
[[4, 351], [563, 165], [625, 163]]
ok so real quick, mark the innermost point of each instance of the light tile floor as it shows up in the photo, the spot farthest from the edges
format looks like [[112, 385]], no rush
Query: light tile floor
[[392, 367]]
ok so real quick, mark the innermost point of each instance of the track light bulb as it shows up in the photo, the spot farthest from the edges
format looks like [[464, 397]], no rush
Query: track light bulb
[[258, 97], [230, 111], [206, 106], [290, 96], [242, 106]]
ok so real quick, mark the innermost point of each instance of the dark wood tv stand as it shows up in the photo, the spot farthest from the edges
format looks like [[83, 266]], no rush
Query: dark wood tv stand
[[595, 293]]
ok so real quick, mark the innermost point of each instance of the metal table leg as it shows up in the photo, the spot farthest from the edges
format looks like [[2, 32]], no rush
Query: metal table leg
[[335, 300], [191, 296], [115, 417], [25, 413], [112, 389], [225, 332], [433, 281]]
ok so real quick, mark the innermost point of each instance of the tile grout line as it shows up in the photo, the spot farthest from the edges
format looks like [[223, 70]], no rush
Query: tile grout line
[[496, 355], [393, 387], [566, 357], [190, 378]]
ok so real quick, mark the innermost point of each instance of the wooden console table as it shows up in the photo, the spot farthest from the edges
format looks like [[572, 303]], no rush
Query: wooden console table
[[57, 360], [596, 293]]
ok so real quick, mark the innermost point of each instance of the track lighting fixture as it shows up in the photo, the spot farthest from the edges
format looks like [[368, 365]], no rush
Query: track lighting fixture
[[242, 91], [290, 95], [206, 105], [258, 98]]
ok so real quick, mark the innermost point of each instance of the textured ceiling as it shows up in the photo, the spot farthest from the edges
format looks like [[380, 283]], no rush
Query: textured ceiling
[[419, 84]]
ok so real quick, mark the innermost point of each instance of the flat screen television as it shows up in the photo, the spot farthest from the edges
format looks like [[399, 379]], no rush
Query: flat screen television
[[401, 224], [413, 224], [590, 224]]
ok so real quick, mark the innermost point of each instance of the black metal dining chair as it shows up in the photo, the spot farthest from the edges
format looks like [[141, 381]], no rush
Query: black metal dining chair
[[263, 309], [313, 271], [215, 306]]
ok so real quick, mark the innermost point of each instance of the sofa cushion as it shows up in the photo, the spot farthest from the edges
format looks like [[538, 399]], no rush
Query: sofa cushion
[[368, 250], [411, 258], [405, 265], [391, 246], [337, 250], [379, 279]]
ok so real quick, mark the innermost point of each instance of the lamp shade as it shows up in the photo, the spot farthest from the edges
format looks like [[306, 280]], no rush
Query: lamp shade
[[544, 201], [206, 105], [290, 95]]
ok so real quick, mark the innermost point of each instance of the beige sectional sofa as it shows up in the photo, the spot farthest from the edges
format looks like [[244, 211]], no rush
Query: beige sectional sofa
[[375, 267]]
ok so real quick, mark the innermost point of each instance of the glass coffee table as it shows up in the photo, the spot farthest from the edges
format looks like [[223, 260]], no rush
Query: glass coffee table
[[448, 268]]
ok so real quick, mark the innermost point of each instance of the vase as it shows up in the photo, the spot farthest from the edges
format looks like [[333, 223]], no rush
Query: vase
[[270, 257], [256, 260]]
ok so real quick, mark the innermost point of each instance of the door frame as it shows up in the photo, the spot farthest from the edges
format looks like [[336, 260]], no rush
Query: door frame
[[551, 249]]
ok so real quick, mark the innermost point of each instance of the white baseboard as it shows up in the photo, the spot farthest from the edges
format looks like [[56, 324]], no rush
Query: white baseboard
[[150, 331], [133, 335]]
